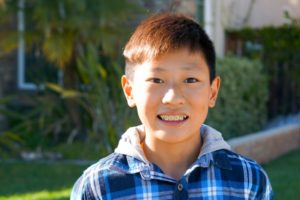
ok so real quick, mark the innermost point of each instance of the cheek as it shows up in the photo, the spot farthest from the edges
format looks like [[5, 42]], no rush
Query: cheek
[[197, 95], [198, 100], [145, 99], [147, 93], [146, 108]]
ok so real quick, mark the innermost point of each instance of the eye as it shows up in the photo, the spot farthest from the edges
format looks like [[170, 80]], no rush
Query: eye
[[191, 80], [155, 80]]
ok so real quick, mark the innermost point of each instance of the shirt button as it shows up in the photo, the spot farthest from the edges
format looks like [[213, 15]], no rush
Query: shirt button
[[146, 174], [180, 187]]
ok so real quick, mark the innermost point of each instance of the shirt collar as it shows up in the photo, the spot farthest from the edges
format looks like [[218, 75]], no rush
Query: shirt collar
[[130, 165]]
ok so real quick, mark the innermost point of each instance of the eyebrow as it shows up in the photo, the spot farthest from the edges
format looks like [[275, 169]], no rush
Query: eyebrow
[[158, 69], [190, 67], [187, 67]]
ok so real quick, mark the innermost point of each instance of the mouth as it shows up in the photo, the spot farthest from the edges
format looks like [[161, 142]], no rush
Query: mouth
[[173, 118]]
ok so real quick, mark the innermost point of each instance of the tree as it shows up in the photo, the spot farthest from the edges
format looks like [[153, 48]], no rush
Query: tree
[[67, 32]]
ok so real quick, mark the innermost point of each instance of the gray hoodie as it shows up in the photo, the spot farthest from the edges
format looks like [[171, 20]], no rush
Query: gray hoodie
[[130, 141]]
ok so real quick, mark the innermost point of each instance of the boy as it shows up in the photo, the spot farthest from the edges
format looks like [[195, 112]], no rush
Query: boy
[[170, 78]]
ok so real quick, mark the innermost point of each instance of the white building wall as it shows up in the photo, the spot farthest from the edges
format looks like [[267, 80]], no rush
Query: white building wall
[[221, 15], [236, 14], [258, 13], [214, 25]]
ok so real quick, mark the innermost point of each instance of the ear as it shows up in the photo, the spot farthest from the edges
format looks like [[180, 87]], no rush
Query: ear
[[127, 89], [215, 86]]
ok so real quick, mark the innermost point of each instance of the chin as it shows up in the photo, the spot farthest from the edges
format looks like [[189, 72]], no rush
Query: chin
[[171, 137]]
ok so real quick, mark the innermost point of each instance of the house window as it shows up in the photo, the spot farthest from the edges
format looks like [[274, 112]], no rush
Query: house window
[[33, 68]]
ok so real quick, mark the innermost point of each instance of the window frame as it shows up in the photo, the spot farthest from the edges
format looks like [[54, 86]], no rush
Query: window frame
[[22, 84]]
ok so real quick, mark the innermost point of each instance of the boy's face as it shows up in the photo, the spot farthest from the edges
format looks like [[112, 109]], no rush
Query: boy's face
[[172, 95]]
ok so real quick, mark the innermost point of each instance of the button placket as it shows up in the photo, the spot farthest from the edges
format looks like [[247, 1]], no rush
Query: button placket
[[181, 192]]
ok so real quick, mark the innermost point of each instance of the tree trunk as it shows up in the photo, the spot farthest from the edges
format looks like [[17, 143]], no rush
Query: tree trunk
[[70, 81]]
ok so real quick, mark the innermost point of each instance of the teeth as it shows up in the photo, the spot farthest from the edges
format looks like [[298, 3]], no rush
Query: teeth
[[173, 117]]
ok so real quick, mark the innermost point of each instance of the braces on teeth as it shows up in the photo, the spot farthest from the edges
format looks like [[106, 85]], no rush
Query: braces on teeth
[[173, 117]]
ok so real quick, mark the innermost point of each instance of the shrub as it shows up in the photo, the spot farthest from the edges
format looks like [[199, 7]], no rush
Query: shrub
[[278, 48], [102, 111], [83, 39], [241, 105]]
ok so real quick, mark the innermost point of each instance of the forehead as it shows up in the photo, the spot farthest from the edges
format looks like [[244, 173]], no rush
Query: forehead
[[182, 59]]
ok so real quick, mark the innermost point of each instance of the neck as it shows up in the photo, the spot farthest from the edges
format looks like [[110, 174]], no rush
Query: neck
[[173, 158]]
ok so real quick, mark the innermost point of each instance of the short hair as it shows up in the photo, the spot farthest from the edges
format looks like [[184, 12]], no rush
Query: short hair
[[167, 32]]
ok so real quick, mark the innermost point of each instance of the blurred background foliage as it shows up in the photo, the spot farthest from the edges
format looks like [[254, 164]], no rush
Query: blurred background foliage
[[84, 114], [84, 40], [278, 48], [241, 104]]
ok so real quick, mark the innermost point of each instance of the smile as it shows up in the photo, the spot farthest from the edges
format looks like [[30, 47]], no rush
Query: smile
[[173, 118]]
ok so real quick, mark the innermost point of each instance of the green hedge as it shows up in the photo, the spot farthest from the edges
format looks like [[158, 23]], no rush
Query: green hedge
[[279, 50], [241, 106]]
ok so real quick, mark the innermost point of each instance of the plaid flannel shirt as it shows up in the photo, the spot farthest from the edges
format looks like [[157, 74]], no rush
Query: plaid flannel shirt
[[219, 174]]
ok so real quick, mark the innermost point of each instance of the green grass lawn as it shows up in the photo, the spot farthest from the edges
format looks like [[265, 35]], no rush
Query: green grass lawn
[[37, 180], [285, 176], [45, 181]]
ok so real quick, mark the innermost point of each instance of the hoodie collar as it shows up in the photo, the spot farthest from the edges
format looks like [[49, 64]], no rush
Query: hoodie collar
[[212, 141], [130, 157], [130, 143]]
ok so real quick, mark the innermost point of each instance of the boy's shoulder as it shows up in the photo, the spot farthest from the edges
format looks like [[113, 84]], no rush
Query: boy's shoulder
[[109, 172], [107, 163], [243, 173], [235, 160], [241, 168], [114, 164], [84, 187]]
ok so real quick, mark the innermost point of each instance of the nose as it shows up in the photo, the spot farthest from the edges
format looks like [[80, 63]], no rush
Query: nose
[[173, 96]]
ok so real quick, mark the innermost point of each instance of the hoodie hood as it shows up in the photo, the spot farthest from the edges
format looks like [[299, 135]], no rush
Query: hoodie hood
[[130, 142]]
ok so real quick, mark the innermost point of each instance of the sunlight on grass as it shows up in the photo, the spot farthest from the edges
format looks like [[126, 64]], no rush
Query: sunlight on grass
[[18, 178], [284, 175], [42, 195]]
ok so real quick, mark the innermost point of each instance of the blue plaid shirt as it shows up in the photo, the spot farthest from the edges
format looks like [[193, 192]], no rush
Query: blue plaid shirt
[[221, 174]]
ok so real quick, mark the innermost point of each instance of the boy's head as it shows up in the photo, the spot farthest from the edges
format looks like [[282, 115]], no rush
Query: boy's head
[[164, 33], [170, 77]]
